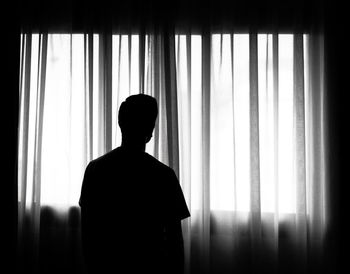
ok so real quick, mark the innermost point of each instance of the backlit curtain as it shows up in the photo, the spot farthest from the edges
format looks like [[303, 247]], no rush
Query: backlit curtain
[[241, 121]]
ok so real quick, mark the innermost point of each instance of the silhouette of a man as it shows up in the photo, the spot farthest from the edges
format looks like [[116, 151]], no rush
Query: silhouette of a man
[[132, 204]]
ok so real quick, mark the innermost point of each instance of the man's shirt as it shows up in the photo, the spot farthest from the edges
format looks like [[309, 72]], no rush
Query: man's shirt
[[127, 198]]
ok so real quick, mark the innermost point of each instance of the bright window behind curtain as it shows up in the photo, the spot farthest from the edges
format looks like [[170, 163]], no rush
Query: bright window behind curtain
[[63, 163]]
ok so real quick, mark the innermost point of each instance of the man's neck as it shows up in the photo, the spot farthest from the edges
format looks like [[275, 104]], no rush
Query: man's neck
[[133, 146]]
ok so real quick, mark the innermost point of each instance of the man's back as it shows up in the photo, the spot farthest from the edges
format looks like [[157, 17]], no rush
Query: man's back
[[127, 199]]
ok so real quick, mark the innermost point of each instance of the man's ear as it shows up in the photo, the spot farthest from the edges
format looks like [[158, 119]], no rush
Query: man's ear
[[148, 138]]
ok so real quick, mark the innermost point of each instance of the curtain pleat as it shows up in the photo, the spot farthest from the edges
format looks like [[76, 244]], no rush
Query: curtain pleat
[[187, 159], [275, 134], [105, 92], [88, 96], [23, 149], [157, 91], [299, 145], [183, 80], [234, 194], [255, 205], [233, 124], [142, 45], [118, 91], [171, 101], [24, 124], [162, 115], [40, 100], [204, 217], [129, 61], [317, 150]]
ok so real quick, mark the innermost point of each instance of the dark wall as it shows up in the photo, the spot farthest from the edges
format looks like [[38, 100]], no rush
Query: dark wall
[[78, 15], [337, 83], [9, 67]]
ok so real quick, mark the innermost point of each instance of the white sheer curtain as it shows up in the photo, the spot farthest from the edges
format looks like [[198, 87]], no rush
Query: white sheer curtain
[[241, 121], [252, 154]]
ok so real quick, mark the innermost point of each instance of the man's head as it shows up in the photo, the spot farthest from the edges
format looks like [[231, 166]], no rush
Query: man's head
[[137, 117]]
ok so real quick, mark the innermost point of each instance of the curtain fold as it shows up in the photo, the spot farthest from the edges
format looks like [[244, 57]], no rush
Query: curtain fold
[[254, 167], [105, 92], [171, 103], [275, 99], [316, 115], [299, 144], [241, 121], [204, 211]]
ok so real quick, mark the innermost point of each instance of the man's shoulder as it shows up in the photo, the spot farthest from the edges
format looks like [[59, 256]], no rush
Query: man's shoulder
[[101, 160], [118, 155], [106, 157], [158, 164]]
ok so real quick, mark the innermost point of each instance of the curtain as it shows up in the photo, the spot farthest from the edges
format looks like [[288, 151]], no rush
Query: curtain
[[241, 121]]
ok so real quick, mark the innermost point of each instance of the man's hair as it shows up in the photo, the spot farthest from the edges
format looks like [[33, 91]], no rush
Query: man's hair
[[137, 115]]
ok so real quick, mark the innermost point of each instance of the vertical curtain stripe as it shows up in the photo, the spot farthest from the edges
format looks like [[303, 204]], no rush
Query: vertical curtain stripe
[[108, 91], [20, 97], [323, 135], [221, 46], [105, 94], [70, 99], [148, 61], [275, 133], [21, 65], [38, 141], [189, 102], [151, 62], [267, 64], [90, 92], [254, 136], [24, 127], [88, 96], [86, 102], [101, 97], [25, 122], [234, 169], [142, 61], [40, 115], [205, 169], [162, 107], [317, 168], [157, 83], [171, 101], [299, 123], [299, 137], [234, 124], [119, 70], [129, 61], [187, 187]]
